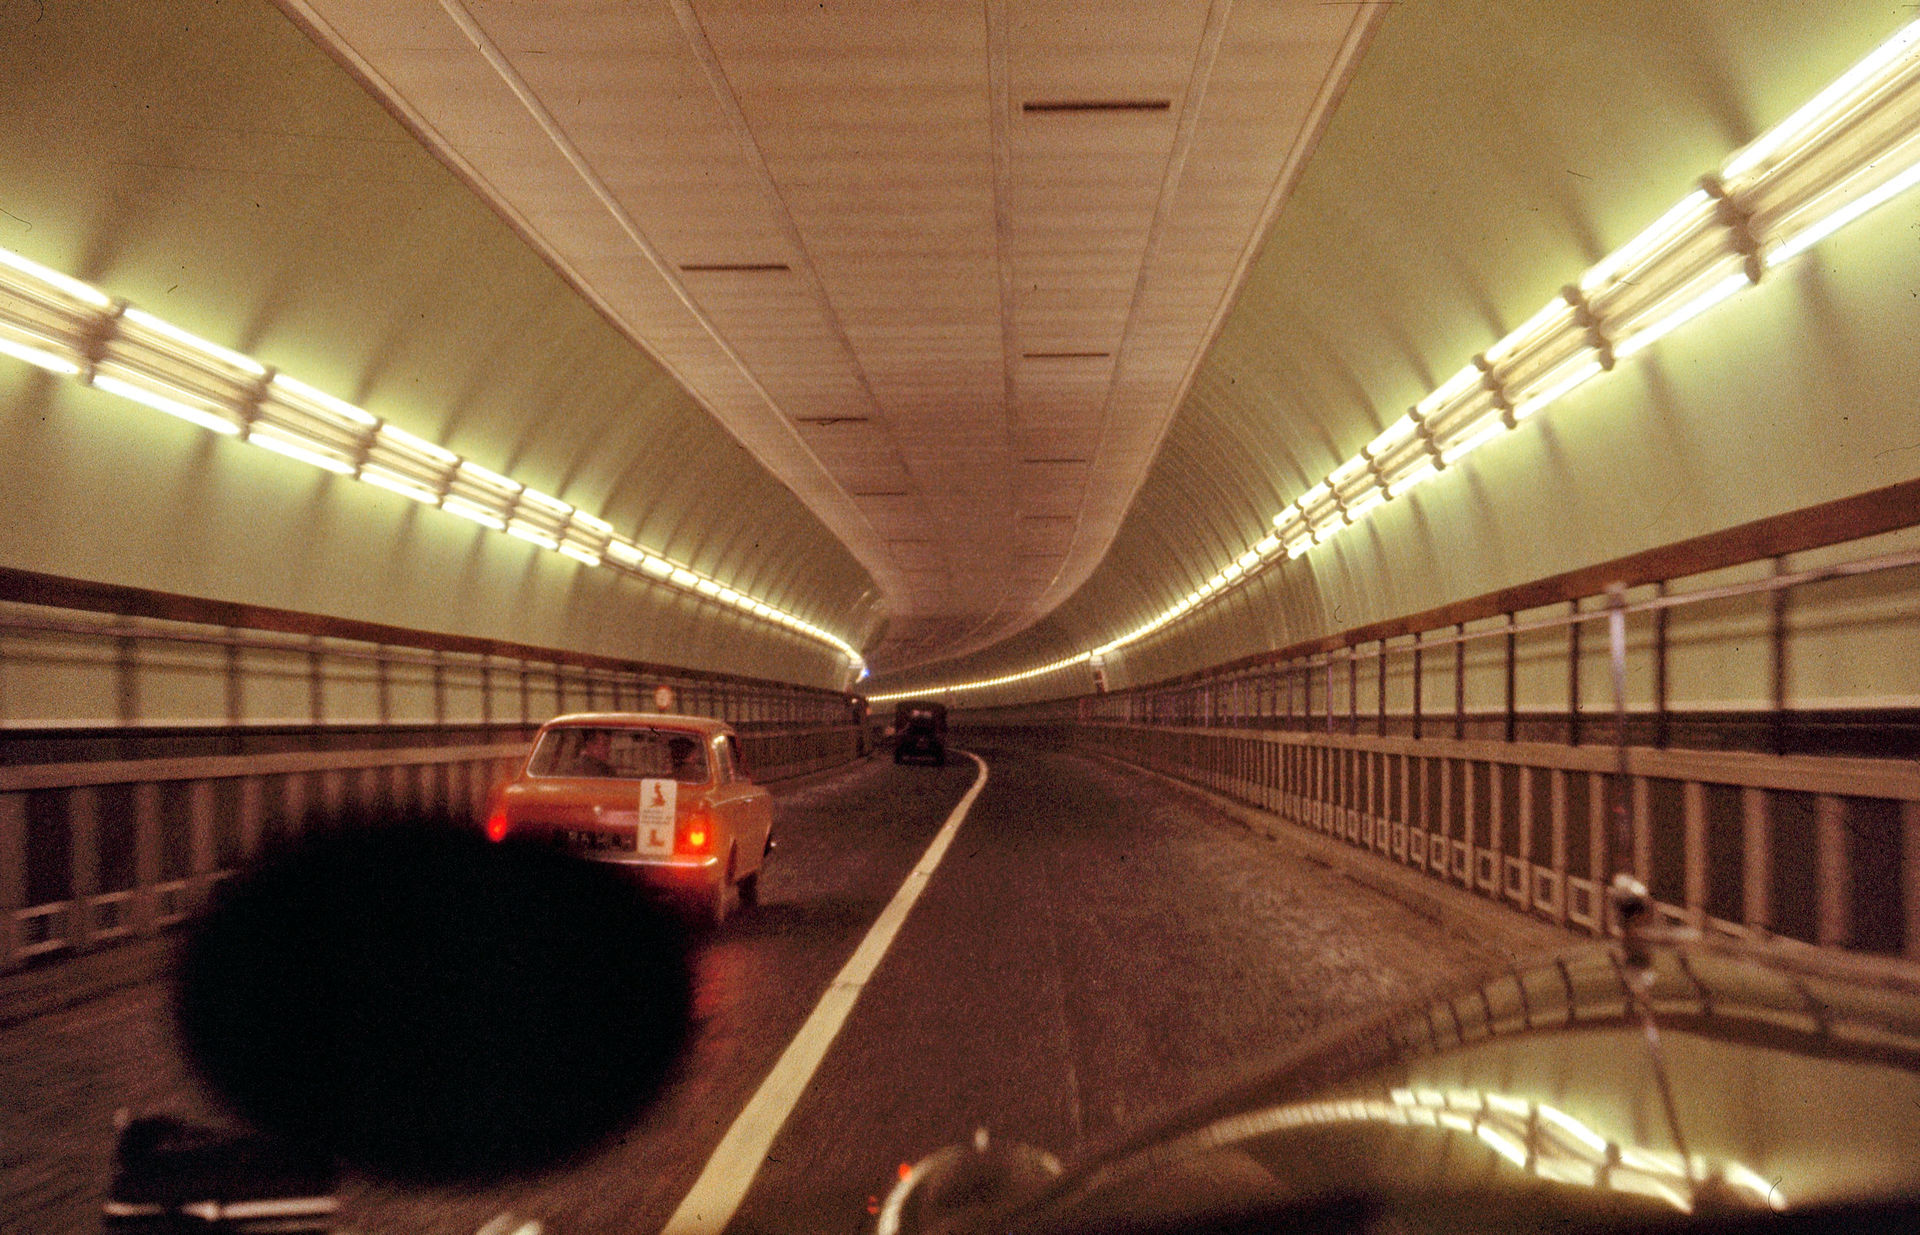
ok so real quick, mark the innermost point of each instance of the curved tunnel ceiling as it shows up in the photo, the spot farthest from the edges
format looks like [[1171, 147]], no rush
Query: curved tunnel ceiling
[[945, 269], [1212, 254], [1484, 156], [209, 164]]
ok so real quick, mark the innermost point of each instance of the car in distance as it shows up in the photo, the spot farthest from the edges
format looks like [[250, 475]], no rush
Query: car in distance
[[920, 732], [663, 797]]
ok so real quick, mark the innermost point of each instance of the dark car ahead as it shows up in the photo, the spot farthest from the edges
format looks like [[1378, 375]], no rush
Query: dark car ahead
[[920, 732]]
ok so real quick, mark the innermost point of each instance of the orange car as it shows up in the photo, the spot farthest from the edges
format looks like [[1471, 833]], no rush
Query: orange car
[[663, 796]]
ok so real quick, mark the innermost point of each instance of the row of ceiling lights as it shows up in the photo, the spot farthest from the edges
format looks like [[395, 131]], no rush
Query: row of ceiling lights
[[68, 327], [1848, 150]]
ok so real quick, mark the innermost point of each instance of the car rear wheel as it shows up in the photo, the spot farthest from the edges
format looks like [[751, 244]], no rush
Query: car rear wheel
[[720, 900], [749, 890]]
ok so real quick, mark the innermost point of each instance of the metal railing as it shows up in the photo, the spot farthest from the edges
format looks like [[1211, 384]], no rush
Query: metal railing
[[1780, 819], [144, 759], [104, 850]]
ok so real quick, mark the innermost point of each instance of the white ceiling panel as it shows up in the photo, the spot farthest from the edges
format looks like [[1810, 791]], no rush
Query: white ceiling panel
[[944, 268]]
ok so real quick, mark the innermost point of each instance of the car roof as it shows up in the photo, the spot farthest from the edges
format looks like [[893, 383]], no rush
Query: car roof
[[705, 726]]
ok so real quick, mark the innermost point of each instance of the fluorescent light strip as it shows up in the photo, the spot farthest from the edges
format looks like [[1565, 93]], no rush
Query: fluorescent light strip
[[73, 288], [306, 397], [194, 343], [532, 535], [1638, 341], [551, 504], [162, 403], [1812, 112], [1311, 519], [286, 400], [40, 359], [394, 482], [417, 445], [490, 479], [311, 453], [1840, 218], [479, 514]]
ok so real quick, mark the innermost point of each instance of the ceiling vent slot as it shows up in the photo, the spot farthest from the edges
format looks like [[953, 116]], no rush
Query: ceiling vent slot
[[826, 422], [1062, 106], [1066, 355], [735, 268]]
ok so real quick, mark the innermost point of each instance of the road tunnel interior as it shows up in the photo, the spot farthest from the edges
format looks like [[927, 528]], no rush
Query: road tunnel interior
[[368, 400]]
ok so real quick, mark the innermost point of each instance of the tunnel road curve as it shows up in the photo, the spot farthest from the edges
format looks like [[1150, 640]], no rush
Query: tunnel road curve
[[1093, 947]]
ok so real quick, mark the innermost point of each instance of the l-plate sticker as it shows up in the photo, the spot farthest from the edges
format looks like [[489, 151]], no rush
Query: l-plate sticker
[[658, 799]]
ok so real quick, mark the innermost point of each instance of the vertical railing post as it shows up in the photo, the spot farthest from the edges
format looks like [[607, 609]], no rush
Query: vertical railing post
[[1523, 841], [1419, 680], [1835, 923], [1696, 854], [1601, 813], [83, 831], [1513, 712], [1469, 833], [1459, 681], [1381, 676], [202, 859], [1573, 674], [13, 875], [1625, 841], [1662, 732], [234, 672], [333, 795], [1756, 860], [146, 858], [1643, 830], [251, 818], [1778, 624], [1909, 883], [316, 680], [126, 671], [1559, 791]]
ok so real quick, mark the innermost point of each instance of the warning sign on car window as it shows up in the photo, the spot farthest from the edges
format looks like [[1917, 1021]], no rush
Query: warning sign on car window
[[657, 801]]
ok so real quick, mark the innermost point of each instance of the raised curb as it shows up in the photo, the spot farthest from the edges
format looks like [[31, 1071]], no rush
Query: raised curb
[[62, 983], [1516, 935]]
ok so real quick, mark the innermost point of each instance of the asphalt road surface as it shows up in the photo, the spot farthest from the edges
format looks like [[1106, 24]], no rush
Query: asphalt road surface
[[1094, 947]]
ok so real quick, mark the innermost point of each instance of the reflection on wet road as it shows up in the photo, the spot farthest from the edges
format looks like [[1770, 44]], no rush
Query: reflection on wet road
[[1094, 947]]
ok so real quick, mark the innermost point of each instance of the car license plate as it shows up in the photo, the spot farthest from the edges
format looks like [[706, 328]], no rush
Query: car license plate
[[585, 841]]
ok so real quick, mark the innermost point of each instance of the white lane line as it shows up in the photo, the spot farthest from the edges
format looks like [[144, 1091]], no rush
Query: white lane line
[[728, 1174]]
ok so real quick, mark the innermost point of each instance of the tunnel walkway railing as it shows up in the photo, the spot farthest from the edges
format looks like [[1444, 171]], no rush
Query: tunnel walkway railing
[[1822, 849], [101, 851], [106, 850], [1528, 745], [154, 745]]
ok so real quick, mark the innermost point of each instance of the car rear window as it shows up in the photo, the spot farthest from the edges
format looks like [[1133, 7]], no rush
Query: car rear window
[[620, 753]]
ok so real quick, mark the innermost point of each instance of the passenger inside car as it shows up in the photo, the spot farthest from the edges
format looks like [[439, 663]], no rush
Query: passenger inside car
[[596, 752], [595, 757], [687, 765]]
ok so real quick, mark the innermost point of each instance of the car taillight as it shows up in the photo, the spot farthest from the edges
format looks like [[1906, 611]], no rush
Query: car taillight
[[497, 823], [696, 833]]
